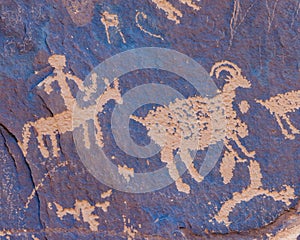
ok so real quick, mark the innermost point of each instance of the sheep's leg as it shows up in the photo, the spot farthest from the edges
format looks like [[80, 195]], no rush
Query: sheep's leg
[[283, 130], [243, 149], [41, 145], [167, 157], [292, 127], [186, 157], [229, 149], [228, 162], [54, 144]]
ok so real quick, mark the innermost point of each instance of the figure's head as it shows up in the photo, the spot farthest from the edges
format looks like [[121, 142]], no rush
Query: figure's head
[[235, 78], [57, 61]]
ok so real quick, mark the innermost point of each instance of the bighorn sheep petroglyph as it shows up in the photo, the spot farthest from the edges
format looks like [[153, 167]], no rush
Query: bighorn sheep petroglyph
[[197, 122], [62, 122], [280, 105]]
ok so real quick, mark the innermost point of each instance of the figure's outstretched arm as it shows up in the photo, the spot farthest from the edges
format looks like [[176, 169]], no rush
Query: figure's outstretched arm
[[46, 84], [77, 80]]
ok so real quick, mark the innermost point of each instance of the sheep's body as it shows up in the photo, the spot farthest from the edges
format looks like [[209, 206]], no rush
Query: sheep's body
[[195, 123], [280, 105]]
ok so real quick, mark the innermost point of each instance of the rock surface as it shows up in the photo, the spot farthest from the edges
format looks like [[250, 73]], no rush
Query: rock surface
[[46, 190]]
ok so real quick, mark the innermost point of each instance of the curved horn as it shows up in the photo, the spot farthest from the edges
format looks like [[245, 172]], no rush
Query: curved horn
[[227, 66]]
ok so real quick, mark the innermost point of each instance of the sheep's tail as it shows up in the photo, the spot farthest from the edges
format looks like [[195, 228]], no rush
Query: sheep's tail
[[138, 119], [227, 66]]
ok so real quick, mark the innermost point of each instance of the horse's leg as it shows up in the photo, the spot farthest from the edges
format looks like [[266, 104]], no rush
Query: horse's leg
[[54, 143], [41, 145]]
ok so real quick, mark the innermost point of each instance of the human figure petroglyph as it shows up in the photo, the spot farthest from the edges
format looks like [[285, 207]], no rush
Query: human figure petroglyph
[[62, 122], [85, 211], [280, 105], [110, 20], [200, 122]]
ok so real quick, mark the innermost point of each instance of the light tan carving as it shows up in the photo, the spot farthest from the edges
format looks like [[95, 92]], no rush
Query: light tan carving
[[253, 190], [34, 237], [62, 122], [83, 210], [110, 20], [4, 233], [144, 16], [126, 172], [244, 106], [106, 194], [197, 122], [173, 13], [129, 231], [280, 105]]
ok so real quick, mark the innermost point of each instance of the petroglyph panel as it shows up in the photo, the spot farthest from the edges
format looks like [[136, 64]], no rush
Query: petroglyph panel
[[250, 50]]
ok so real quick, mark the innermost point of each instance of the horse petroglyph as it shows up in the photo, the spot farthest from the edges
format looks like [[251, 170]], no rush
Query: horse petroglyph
[[62, 122], [200, 122]]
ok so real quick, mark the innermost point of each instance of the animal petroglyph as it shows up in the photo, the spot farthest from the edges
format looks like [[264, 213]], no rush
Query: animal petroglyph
[[62, 122], [144, 16], [83, 209], [110, 20], [280, 105], [253, 190], [197, 122], [173, 13]]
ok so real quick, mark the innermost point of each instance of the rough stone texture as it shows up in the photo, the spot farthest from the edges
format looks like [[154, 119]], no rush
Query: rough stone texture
[[57, 198]]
